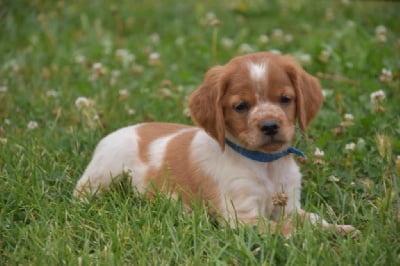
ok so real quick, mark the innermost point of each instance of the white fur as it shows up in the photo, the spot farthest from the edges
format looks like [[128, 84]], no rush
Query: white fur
[[258, 71]]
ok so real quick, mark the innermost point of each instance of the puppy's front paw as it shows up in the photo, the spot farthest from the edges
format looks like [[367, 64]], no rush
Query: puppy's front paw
[[347, 230]]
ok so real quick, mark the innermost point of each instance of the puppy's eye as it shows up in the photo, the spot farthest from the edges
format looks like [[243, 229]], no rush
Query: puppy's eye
[[285, 99], [242, 107]]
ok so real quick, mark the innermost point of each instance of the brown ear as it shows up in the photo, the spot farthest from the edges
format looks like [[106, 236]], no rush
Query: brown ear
[[205, 105], [308, 94]]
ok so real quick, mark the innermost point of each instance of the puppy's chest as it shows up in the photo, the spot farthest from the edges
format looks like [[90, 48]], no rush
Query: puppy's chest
[[262, 180], [265, 188], [243, 180]]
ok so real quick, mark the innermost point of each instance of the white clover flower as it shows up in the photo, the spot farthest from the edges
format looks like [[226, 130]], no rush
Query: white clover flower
[[115, 73], [97, 66], [121, 53], [154, 56], [386, 75], [227, 43], [125, 56], [131, 111], [3, 88], [52, 93], [98, 71], [324, 56], [80, 59], [275, 51], [350, 146], [32, 125], [114, 77], [348, 121], [380, 33], [179, 89], [210, 16], [397, 161], [319, 153], [83, 102], [380, 30], [288, 37], [7, 121], [325, 93], [210, 19], [245, 48], [304, 59], [277, 34], [165, 93], [348, 117], [318, 156], [155, 38], [154, 59], [377, 96], [3, 140], [186, 112], [381, 38], [123, 94], [263, 39]]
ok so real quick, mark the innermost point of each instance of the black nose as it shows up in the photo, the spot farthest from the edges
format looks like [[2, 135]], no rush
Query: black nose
[[270, 127]]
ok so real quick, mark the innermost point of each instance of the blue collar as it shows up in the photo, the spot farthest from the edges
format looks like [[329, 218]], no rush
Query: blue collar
[[261, 156]]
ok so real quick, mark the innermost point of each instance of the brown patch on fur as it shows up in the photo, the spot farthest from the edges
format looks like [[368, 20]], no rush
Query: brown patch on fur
[[179, 174], [235, 122], [205, 105], [309, 97], [151, 131]]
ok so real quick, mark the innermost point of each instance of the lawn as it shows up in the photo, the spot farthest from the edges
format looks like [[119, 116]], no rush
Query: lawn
[[73, 71]]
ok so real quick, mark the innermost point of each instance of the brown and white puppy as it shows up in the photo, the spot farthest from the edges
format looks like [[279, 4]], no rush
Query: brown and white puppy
[[238, 161]]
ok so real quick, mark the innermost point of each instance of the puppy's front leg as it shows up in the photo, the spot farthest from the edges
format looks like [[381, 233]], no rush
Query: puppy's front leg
[[265, 225], [314, 219]]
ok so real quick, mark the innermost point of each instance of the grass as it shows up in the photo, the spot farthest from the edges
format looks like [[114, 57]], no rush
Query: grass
[[153, 54]]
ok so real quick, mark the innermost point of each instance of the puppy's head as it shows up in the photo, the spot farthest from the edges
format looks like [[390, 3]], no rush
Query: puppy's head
[[255, 100]]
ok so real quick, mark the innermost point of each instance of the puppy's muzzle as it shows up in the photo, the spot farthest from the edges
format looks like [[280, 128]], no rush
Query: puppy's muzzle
[[270, 127]]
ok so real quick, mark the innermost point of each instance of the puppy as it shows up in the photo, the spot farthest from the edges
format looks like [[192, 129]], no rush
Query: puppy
[[238, 161]]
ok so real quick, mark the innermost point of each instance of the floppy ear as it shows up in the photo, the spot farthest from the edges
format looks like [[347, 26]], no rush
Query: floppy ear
[[308, 94], [205, 105]]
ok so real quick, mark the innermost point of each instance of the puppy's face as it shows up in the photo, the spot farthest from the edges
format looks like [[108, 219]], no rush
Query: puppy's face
[[254, 100], [258, 105]]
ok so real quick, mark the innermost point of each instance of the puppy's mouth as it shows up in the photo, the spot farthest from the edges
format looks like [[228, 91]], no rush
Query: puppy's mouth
[[273, 146], [266, 144]]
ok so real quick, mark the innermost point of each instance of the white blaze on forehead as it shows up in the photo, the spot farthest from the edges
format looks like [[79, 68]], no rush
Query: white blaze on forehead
[[258, 71]]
